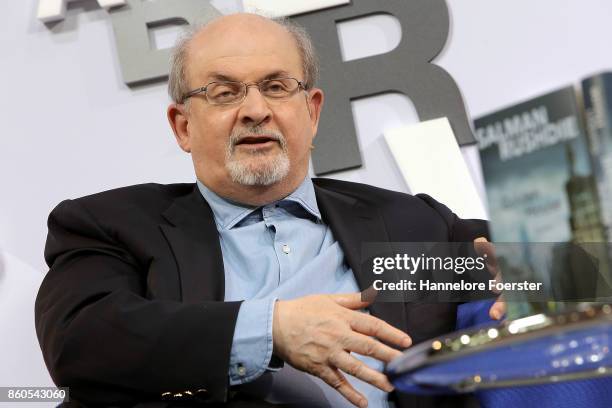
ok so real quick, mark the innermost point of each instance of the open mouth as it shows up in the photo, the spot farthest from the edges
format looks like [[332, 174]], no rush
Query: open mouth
[[259, 141]]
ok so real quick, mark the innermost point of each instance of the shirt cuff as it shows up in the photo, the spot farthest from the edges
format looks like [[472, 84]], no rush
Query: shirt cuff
[[252, 343]]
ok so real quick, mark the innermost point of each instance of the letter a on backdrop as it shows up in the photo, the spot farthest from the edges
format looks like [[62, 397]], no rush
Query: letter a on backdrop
[[55, 10]]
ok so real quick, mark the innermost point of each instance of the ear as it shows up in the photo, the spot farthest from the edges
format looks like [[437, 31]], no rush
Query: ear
[[178, 116], [315, 101]]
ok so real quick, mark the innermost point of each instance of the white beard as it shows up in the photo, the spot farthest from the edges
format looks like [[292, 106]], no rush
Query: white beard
[[252, 172]]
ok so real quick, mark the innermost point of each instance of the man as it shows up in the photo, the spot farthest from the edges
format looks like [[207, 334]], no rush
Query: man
[[143, 300]]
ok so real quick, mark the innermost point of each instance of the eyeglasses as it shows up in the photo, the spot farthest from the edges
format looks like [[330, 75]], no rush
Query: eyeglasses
[[234, 92]]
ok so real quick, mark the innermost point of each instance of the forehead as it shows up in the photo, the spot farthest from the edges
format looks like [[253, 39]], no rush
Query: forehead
[[245, 48]]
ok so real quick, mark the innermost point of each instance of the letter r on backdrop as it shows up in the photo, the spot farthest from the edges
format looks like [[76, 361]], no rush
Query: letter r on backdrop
[[406, 69]]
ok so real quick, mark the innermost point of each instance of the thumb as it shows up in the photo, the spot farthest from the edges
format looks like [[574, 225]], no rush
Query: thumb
[[498, 309], [354, 301]]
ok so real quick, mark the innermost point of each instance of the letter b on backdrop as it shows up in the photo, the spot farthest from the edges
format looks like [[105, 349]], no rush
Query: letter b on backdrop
[[140, 63]]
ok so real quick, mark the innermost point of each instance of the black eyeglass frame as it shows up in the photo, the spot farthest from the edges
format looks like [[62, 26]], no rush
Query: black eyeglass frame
[[300, 86]]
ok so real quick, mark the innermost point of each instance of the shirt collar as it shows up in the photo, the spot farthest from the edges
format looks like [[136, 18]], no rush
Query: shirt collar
[[228, 213]]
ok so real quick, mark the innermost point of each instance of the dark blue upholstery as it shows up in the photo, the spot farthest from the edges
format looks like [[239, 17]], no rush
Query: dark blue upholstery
[[594, 393]]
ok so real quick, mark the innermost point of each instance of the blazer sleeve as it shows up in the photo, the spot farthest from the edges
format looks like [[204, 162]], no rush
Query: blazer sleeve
[[460, 230], [101, 337]]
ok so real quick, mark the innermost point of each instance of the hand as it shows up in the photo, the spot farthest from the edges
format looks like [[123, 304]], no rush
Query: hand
[[317, 333], [482, 248]]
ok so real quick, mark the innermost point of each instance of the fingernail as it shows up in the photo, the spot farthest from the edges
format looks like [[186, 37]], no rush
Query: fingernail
[[407, 341], [363, 403]]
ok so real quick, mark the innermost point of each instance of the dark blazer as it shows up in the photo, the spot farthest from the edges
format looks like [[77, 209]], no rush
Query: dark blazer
[[131, 312]]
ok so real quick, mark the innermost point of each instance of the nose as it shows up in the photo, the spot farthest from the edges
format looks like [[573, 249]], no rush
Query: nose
[[254, 110]]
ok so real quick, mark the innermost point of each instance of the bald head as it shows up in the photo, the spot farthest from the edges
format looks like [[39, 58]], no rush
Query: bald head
[[235, 26], [238, 34]]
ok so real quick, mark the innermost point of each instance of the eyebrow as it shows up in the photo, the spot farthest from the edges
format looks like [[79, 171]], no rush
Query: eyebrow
[[219, 76]]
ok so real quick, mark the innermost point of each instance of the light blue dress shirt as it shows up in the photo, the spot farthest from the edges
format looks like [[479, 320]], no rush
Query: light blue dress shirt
[[282, 250]]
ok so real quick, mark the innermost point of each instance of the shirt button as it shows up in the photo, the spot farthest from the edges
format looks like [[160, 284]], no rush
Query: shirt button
[[241, 370], [286, 249]]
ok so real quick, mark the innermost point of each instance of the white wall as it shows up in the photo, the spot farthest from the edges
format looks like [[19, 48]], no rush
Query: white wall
[[70, 127]]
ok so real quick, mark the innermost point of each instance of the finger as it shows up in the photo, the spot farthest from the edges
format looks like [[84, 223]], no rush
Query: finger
[[334, 378], [367, 346], [498, 309], [358, 369], [369, 294], [352, 301], [498, 279], [372, 326], [486, 249]]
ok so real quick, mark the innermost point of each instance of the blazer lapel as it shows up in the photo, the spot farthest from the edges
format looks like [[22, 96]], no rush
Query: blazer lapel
[[354, 223], [194, 240]]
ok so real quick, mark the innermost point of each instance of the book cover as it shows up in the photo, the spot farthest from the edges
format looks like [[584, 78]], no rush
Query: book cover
[[597, 94], [541, 189], [537, 171]]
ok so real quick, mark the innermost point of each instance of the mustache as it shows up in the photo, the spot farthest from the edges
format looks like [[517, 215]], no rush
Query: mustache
[[238, 135]]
